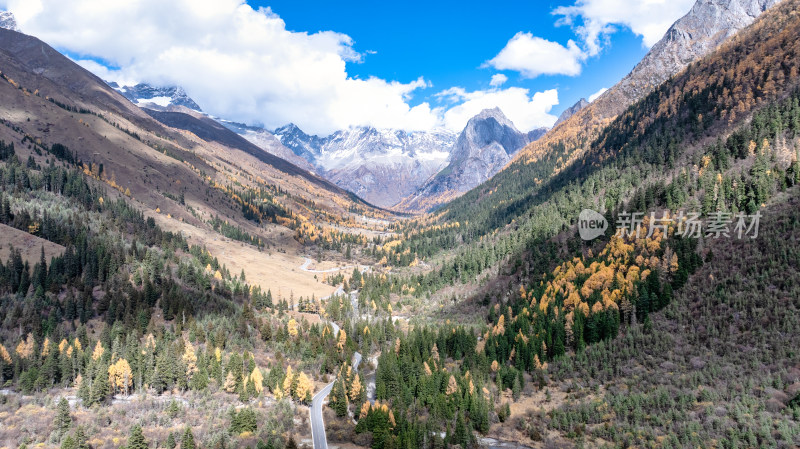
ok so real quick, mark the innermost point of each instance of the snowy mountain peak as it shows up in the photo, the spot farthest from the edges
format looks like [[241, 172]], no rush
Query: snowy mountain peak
[[494, 112], [164, 97], [8, 21]]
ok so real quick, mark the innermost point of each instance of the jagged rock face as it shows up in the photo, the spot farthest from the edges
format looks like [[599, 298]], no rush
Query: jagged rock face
[[8, 21], [381, 166], [704, 28], [572, 110], [303, 145], [268, 142], [142, 94], [486, 145]]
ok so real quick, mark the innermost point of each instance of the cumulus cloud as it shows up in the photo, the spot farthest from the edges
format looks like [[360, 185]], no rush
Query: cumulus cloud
[[597, 94], [235, 61], [498, 79], [595, 20], [532, 56], [526, 111]]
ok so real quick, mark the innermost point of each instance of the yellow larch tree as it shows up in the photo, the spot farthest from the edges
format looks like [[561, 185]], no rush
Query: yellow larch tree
[[4, 354], [342, 340], [452, 386], [25, 347], [287, 381], [120, 376], [98, 351], [355, 388], [258, 379], [190, 360], [46, 347], [292, 327], [304, 387]]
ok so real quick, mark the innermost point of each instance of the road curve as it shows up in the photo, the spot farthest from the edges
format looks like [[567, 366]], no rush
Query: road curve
[[317, 424]]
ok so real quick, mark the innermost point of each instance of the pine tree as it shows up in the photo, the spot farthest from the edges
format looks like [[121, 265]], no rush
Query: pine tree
[[100, 387], [187, 441], [170, 443], [68, 443], [81, 440], [461, 435], [339, 399], [136, 440], [516, 388], [63, 420]]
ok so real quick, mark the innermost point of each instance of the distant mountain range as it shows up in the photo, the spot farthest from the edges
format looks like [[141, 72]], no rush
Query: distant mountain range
[[390, 167], [382, 166]]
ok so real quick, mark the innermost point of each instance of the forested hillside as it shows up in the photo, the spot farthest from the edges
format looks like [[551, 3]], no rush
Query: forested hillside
[[491, 319]]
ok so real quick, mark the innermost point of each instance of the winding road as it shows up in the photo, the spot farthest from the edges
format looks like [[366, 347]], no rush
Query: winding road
[[315, 411], [317, 424]]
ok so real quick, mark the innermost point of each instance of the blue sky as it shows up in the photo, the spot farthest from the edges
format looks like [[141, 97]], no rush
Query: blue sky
[[448, 42], [328, 65]]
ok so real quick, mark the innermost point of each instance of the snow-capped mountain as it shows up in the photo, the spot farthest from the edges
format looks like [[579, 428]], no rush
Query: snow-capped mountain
[[267, 141], [306, 146], [383, 166], [8, 21], [164, 97], [486, 145]]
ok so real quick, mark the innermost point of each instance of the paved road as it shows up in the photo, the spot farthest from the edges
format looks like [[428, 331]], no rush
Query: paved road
[[317, 424]]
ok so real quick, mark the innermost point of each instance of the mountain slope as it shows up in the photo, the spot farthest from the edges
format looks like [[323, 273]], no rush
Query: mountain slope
[[707, 25], [698, 33], [564, 144], [192, 175], [212, 131], [486, 144]]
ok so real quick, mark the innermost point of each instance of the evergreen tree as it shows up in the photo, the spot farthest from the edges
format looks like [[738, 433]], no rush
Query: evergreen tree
[[136, 439], [81, 439], [461, 435], [63, 420], [170, 443], [187, 441], [100, 387]]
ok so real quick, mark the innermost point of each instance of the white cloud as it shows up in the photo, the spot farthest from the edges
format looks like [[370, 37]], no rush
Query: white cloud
[[594, 20], [105, 73], [597, 94], [525, 111], [532, 56], [236, 62], [498, 79]]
